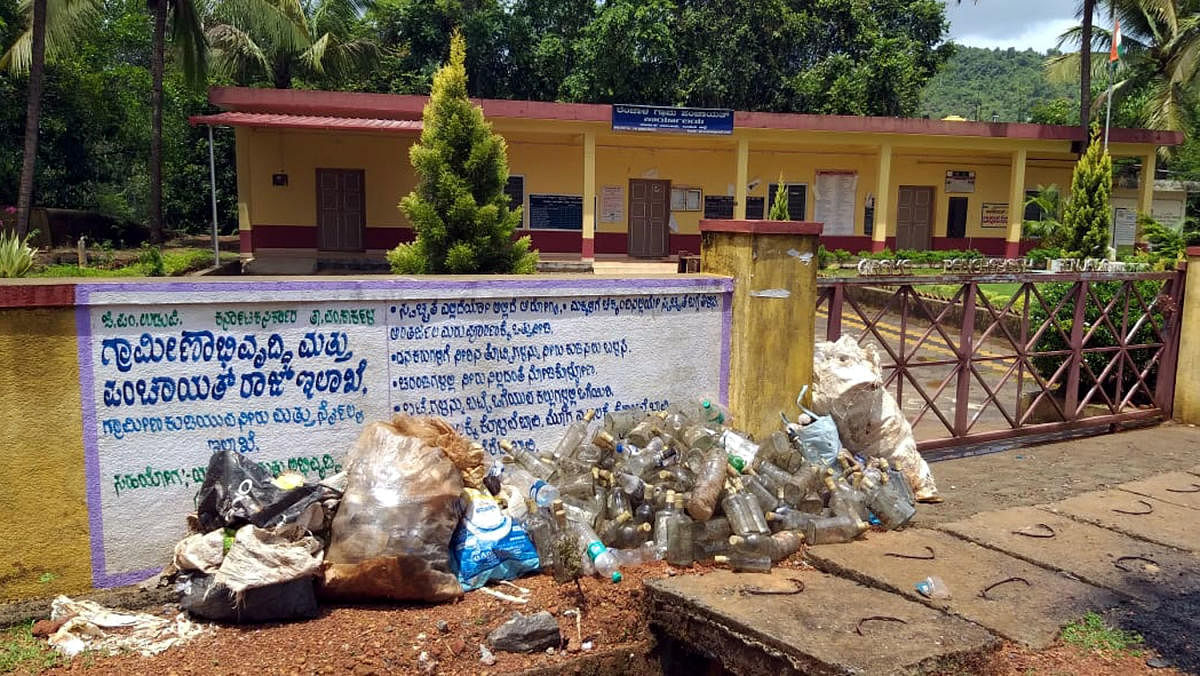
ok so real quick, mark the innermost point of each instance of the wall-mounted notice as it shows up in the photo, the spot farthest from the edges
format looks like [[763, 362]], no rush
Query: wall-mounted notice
[[960, 181], [1124, 226], [994, 215], [835, 197], [555, 212], [612, 204], [685, 120], [173, 372]]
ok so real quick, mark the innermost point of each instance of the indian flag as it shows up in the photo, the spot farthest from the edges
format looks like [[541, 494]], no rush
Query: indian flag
[[1118, 49]]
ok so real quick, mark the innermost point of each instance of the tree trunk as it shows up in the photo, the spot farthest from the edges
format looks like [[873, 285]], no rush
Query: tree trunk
[[156, 105], [283, 76], [1085, 72], [33, 113]]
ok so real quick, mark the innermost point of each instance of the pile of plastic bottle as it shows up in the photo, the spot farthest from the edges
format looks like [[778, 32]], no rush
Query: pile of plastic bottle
[[683, 486]]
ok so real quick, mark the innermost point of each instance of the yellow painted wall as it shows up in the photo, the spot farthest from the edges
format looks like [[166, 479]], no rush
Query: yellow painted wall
[[548, 167], [384, 157], [42, 487], [1187, 386], [711, 170]]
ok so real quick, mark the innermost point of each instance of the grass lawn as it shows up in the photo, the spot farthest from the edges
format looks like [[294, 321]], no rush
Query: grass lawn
[[175, 262], [998, 294]]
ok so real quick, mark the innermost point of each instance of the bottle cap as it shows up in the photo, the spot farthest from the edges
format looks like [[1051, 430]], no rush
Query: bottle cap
[[506, 445], [646, 527], [719, 558], [616, 577], [772, 516], [589, 414]]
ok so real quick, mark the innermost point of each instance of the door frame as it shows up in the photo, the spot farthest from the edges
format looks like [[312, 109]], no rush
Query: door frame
[[933, 200], [666, 221], [362, 197]]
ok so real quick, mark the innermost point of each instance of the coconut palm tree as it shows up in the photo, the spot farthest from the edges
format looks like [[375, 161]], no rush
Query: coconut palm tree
[[188, 42], [1161, 65], [53, 25], [276, 40]]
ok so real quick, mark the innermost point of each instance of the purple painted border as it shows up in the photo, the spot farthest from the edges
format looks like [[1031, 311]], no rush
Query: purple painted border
[[101, 578]]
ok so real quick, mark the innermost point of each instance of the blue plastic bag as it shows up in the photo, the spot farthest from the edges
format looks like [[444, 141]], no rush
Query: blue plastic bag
[[488, 545]]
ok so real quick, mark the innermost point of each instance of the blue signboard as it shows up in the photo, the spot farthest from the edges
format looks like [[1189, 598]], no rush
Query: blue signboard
[[683, 120]]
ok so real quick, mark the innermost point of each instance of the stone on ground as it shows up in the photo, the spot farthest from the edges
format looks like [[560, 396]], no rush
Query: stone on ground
[[1031, 614], [526, 633], [725, 616], [1096, 555], [1140, 517]]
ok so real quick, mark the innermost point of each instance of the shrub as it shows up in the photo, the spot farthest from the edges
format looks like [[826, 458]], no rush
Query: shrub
[[1087, 214], [1053, 339], [16, 256], [824, 257], [459, 210], [150, 258], [1044, 253], [841, 255], [779, 208]]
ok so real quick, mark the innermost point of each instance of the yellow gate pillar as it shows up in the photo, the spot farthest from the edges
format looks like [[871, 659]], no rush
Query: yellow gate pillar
[[774, 267], [739, 190], [1016, 205], [1187, 385], [588, 247]]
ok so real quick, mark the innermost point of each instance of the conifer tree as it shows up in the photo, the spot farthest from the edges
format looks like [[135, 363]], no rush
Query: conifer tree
[[779, 208], [459, 209], [1088, 215]]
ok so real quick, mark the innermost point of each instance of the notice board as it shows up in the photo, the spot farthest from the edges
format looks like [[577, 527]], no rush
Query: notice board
[[555, 212], [834, 205]]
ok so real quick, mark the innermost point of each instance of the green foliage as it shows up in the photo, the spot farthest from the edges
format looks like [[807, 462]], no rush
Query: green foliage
[[459, 210], [16, 256], [1087, 214], [779, 208], [1041, 254], [19, 650], [824, 257], [151, 260], [1049, 228], [1011, 83], [1092, 634], [1165, 241], [842, 256], [921, 257], [1055, 339]]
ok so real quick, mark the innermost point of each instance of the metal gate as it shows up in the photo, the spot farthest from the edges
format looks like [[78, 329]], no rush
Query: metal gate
[[979, 360]]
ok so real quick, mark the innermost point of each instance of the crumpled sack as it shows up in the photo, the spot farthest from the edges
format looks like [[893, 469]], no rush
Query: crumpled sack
[[848, 385], [202, 552], [466, 455], [91, 627], [489, 544], [260, 558], [391, 535], [237, 491]]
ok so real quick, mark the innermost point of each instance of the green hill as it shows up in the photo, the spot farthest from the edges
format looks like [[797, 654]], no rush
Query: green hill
[[1007, 82]]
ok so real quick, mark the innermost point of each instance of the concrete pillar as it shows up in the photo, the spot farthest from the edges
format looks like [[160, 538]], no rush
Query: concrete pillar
[[774, 267], [1146, 187], [1187, 385], [1016, 204], [589, 196], [743, 171], [883, 194]]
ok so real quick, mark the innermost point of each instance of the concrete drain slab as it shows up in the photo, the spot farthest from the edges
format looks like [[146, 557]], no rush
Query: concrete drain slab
[[727, 616], [1141, 517], [1141, 570], [1031, 612], [1177, 488]]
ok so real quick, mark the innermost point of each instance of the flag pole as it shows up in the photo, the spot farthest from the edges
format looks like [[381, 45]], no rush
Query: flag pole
[[1108, 111]]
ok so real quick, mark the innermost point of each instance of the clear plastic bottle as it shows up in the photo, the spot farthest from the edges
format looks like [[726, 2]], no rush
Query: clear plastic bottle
[[768, 499], [581, 511], [636, 556], [535, 465], [580, 485], [846, 501], [789, 518], [541, 532], [712, 413], [638, 461], [644, 513], [661, 518], [680, 549], [619, 505], [739, 446], [647, 429], [744, 513], [573, 436], [833, 529], [750, 554], [778, 450], [785, 543], [530, 486], [630, 484], [888, 504], [699, 437], [709, 482], [677, 477], [590, 544], [618, 423]]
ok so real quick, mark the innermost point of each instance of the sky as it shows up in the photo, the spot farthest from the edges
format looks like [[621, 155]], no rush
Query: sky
[[1022, 24]]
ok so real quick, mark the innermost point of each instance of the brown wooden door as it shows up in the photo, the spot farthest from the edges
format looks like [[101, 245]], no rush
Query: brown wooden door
[[341, 209], [914, 218], [649, 212]]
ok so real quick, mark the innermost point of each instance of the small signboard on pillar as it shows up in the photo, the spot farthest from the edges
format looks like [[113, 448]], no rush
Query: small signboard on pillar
[[995, 215]]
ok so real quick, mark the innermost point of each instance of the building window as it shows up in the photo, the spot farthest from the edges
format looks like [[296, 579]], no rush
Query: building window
[[718, 206], [797, 194], [1033, 212], [515, 189], [754, 208], [684, 198], [956, 217]]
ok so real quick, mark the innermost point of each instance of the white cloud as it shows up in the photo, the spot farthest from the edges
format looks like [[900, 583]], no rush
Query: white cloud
[[1041, 37]]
